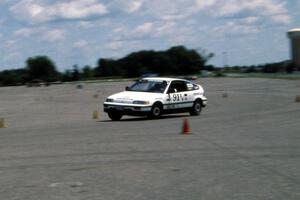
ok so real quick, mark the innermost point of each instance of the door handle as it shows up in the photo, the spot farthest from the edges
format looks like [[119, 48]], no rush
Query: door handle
[[185, 95]]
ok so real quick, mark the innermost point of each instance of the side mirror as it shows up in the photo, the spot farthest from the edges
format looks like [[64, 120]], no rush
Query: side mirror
[[127, 88]]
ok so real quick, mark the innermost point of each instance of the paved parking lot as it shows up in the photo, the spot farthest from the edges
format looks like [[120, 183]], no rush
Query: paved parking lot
[[243, 146]]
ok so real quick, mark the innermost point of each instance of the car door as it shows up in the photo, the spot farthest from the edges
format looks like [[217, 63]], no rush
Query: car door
[[178, 96]]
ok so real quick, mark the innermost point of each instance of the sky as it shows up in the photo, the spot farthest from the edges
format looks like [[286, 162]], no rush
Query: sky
[[238, 32]]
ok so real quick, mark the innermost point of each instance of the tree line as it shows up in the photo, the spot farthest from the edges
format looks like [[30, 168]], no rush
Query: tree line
[[177, 60], [277, 67]]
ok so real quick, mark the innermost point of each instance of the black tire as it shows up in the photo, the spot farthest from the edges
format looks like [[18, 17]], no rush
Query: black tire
[[114, 115], [196, 109], [156, 111]]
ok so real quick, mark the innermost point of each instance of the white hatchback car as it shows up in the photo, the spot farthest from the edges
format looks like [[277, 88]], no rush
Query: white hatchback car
[[153, 97]]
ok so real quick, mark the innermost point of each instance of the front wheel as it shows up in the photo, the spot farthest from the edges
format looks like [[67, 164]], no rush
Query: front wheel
[[156, 111], [114, 115], [196, 109]]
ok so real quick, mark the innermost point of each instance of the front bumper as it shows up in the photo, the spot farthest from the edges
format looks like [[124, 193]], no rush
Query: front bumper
[[135, 110]]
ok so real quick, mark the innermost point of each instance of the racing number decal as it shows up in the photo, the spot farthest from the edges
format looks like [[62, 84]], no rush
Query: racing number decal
[[178, 97], [177, 101]]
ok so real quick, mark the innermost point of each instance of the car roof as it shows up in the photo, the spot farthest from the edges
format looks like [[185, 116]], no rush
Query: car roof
[[164, 79]]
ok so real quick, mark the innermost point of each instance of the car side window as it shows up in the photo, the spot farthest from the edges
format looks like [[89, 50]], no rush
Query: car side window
[[196, 87], [158, 87], [189, 86], [177, 86]]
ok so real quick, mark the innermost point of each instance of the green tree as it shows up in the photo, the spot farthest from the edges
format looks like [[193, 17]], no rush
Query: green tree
[[291, 67], [87, 72], [186, 61], [13, 77], [75, 75], [108, 67], [177, 60], [67, 75], [41, 67]]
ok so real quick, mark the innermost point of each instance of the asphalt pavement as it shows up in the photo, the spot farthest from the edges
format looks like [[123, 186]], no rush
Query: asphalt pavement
[[244, 145]]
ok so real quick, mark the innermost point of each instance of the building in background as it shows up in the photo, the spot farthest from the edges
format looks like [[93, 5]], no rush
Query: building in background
[[294, 35]]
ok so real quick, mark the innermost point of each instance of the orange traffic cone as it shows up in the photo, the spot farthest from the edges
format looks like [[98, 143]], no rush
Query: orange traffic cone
[[186, 128]]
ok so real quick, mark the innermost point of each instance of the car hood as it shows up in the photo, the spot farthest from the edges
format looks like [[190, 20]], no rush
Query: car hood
[[130, 96]]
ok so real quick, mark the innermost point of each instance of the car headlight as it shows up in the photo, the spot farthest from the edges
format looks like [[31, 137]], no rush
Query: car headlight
[[109, 100], [141, 102]]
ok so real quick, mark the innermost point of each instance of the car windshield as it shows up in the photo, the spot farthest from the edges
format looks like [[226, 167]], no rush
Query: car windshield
[[149, 86]]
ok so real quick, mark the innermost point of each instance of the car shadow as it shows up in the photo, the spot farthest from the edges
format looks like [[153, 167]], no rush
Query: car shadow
[[147, 119]]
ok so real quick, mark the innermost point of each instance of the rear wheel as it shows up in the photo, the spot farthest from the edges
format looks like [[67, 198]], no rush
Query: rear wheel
[[196, 109], [156, 111], [115, 115]]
